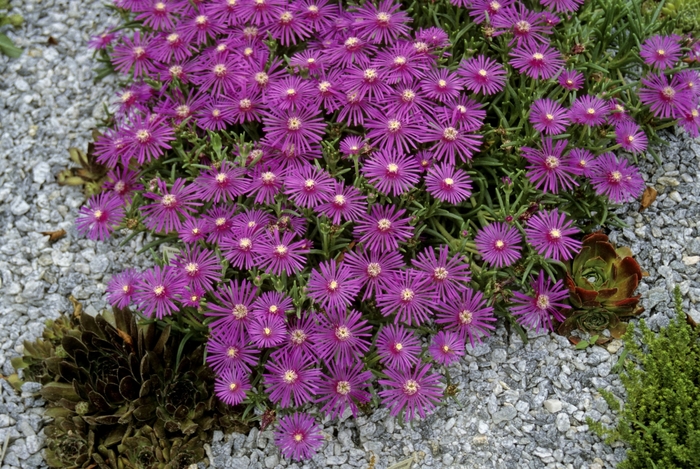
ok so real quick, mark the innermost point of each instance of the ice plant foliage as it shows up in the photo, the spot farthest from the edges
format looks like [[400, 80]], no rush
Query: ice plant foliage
[[342, 181]]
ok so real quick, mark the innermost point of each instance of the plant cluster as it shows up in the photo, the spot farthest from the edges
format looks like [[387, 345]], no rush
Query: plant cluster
[[358, 189], [123, 395], [660, 418]]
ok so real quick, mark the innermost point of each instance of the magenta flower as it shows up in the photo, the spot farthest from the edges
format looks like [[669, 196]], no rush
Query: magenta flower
[[123, 182], [499, 244], [266, 182], [468, 315], [236, 303], [691, 122], [192, 230], [690, 80], [548, 170], [661, 52], [267, 331], [102, 41], [382, 24], [409, 295], [528, 27], [228, 349], [272, 304], [148, 137], [298, 436], [373, 269], [301, 337], [121, 288], [223, 183], [631, 137], [345, 387], [298, 127], [401, 133], [415, 392], [571, 80], [231, 386], [549, 233], [199, 267], [617, 179], [133, 53], [466, 113], [562, 5], [407, 99], [666, 99], [342, 337], [448, 184], [582, 161], [367, 82], [193, 297], [111, 148], [451, 140], [307, 185], [549, 116], [100, 216], [157, 289], [538, 61], [589, 110], [158, 15], [442, 85], [348, 50], [288, 27], [164, 214], [383, 229], [398, 348], [291, 377], [392, 173], [618, 113], [219, 223], [447, 348], [482, 75], [215, 114], [333, 287], [536, 311], [479, 9], [400, 63], [448, 276], [276, 253], [289, 92]]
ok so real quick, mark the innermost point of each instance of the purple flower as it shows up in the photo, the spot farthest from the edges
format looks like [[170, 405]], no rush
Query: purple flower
[[298, 127], [479, 9], [571, 80], [147, 137], [448, 184], [383, 228], [215, 114], [373, 268], [102, 41], [482, 75], [616, 179], [366, 82], [451, 140], [442, 85], [690, 80], [562, 5], [691, 122], [466, 113], [236, 302], [382, 24], [227, 350], [307, 186], [536, 311], [291, 377], [157, 289], [121, 288], [348, 50], [301, 337], [447, 347], [548, 170], [538, 61], [222, 183], [289, 92], [288, 27], [343, 203], [401, 133], [342, 336], [277, 253], [231, 386], [272, 304], [666, 99], [582, 161], [400, 63], [549, 116], [158, 15], [165, 213], [199, 267], [266, 182], [267, 331], [193, 297], [468, 315], [409, 295], [398, 348], [661, 52], [123, 182], [333, 287], [414, 391], [100, 216], [448, 276], [298, 436], [630, 137], [346, 386], [171, 45], [618, 113], [499, 244], [133, 53], [549, 233], [392, 173], [528, 27], [192, 230], [589, 110], [111, 148], [200, 27]]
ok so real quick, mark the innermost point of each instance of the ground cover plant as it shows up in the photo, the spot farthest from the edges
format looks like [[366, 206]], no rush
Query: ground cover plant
[[358, 190]]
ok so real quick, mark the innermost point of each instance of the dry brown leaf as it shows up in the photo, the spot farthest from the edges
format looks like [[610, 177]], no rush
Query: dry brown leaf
[[54, 235], [126, 337], [648, 197], [77, 307]]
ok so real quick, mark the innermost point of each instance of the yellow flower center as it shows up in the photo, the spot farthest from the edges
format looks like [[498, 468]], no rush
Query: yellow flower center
[[555, 233], [169, 200], [192, 268], [392, 169], [268, 177], [383, 18], [465, 316], [332, 285], [537, 56], [442, 84], [339, 200], [407, 294], [400, 60], [384, 225], [448, 182], [343, 388], [201, 20], [139, 52], [394, 125], [483, 73], [290, 377], [450, 134], [245, 243], [542, 301], [374, 269], [294, 123], [240, 311], [173, 37], [159, 290], [551, 162], [286, 17], [126, 288], [232, 386], [440, 273], [143, 135], [281, 250], [342, 333], [370, 74], [499, 244], [615, 176], [324, 86], [261, 78], [411, 387], [232, 352]]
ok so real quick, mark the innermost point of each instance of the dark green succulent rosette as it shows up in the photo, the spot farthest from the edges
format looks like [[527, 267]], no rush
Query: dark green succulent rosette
[[601, 280]]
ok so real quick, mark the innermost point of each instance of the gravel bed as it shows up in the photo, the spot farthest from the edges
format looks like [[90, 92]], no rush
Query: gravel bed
[[518, 406]]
